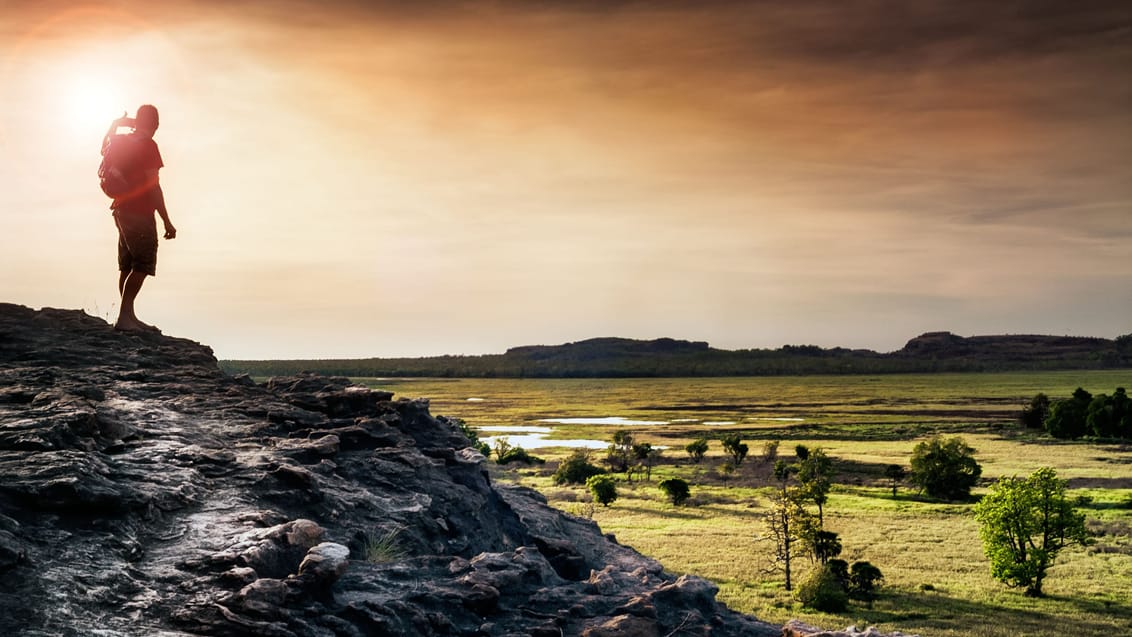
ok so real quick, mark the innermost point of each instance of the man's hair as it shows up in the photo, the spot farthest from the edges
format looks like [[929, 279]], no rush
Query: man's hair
[[147, 117]]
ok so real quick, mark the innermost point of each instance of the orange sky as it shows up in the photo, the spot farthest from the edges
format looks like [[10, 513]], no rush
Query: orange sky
[[363, 179]]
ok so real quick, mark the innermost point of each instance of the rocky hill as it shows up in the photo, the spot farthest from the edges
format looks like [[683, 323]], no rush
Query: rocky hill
[[145, 492], [621, 357]]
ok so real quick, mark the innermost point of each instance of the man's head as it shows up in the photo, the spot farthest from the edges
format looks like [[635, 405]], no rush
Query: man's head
[[146, 120]]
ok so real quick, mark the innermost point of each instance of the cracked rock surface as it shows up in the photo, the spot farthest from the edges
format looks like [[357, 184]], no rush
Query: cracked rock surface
[[145, 492]]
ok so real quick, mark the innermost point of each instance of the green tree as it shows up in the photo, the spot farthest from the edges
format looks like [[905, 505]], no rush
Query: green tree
[[1035, 415], [895, 473], [620, 453], [815, 473], [786, 521], [782, 472], [576, 469], [1024, 524], [676, 489], [603, 487], [1068, 419], [697, 449], [945, 468], [823, 545], [733, 445], [646, 457], [1110, 416], [864, 580]]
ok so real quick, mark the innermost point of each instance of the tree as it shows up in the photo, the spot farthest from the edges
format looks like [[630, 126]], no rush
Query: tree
[[1024, 524], [1035, 415], [1069, 418], [782, 472], [576, 469], [646, 457], [1110, 416], [895, 473], [733, 445], [815, 472], [676, 489], [864, 579], [823, 545], [621, 451], [785, 522], [697, 449], [603, 487], [945, 468]]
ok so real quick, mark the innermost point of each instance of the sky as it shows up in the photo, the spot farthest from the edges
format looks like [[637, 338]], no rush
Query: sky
[[357, 179]]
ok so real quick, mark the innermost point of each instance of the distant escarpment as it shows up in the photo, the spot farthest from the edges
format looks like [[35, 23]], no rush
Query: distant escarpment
[[145, 492], [619, 357]]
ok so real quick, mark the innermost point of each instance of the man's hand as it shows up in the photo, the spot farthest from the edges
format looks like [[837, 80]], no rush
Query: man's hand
[[170, 231]]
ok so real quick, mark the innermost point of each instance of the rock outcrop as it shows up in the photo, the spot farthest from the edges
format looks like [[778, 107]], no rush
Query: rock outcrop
[[145, 492]]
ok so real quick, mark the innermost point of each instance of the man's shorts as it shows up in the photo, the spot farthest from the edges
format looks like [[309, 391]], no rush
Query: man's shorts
[[137, 241]]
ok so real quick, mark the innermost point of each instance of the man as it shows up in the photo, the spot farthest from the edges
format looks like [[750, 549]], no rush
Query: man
[[140, 160]]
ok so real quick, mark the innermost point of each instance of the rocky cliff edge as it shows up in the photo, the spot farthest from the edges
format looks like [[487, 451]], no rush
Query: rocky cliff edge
[[145, 492]]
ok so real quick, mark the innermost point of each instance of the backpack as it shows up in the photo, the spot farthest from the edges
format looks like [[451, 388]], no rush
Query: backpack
[[112, 172]]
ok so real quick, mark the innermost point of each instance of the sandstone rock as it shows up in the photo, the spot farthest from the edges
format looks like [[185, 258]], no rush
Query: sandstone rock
[[323, 565], [147, 493], [624, 626]]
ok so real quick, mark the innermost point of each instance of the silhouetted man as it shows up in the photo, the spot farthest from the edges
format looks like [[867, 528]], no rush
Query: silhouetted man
[[133, 213]]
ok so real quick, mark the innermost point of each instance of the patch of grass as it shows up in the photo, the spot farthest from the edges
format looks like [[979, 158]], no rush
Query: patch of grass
[[383, 547], [937, 580]]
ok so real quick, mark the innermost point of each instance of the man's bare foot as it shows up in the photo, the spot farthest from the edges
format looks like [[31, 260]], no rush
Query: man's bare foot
[[134, 325]]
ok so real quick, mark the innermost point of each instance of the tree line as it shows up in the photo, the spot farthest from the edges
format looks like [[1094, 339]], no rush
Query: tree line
[[1082, 415]]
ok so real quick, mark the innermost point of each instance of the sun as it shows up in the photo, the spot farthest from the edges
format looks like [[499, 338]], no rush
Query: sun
[[89, 103]]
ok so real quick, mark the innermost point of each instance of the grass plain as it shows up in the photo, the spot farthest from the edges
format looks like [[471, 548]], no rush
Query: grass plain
[[937, 581]]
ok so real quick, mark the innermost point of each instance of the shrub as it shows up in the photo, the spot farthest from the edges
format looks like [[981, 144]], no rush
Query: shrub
[[519, 454], [697, 449], [471, 434], [603, 487], [770, 451], [822, 590], [945, 468], [726, 470], [734, 445], [576, 469], [676, 489]]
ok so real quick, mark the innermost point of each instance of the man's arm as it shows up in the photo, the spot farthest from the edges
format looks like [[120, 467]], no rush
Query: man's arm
[[159, 202]]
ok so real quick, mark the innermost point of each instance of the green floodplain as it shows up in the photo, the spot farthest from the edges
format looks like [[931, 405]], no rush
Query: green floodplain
[[937, 580]]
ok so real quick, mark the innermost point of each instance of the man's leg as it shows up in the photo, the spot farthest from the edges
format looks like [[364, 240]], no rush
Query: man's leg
[[131, 283]]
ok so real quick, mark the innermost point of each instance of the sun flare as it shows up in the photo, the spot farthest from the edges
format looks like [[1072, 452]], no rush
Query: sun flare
[[89, 103]]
